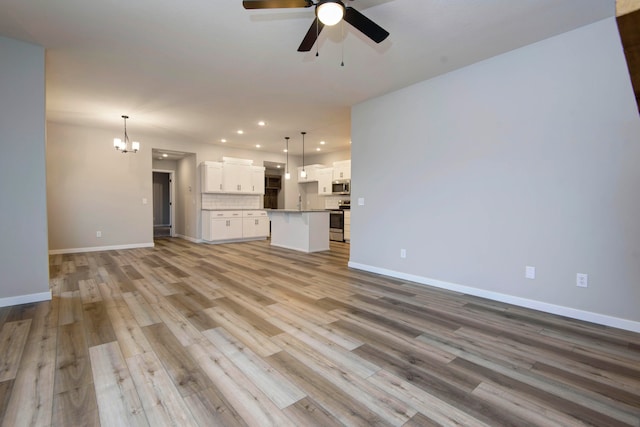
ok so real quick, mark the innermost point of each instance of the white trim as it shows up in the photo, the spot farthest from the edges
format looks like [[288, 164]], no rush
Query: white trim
[[25, 299], [172, 190], [191, 239], [100, 248], [573, 313], [243, 239]]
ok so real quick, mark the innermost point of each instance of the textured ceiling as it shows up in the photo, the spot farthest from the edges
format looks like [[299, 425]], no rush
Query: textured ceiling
[[202, 69]]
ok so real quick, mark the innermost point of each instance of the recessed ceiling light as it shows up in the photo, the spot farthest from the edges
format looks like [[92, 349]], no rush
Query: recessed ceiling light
[[165, 155], [318, 149], [240, 131], [322, 142], [257, 145], [223, 140], [278, 166], [285, 150], [261, 123]]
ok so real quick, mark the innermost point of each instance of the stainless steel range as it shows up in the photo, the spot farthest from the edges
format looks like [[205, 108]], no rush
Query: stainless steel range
[[336, 221]]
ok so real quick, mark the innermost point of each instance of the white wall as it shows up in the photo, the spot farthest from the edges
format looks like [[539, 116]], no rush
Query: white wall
[[24, 264], [528, 158]]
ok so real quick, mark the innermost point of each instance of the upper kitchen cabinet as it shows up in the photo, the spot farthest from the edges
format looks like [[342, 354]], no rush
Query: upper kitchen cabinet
[[211, 173], [312, 173], [257, 180], [236, 176], [325, 177], [342, 169]]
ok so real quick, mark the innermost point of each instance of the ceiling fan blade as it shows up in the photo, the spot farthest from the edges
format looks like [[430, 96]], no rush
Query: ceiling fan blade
[[365, 25], [311, 37], [275, 4]]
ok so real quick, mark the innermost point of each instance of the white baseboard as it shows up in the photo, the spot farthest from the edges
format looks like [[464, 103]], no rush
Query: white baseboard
[[25, 299], [100, 248], [219, 242], [191, 239], [573, 313]]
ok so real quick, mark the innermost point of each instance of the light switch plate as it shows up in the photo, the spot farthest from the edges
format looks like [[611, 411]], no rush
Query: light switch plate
[[360, 201], [529, 272]]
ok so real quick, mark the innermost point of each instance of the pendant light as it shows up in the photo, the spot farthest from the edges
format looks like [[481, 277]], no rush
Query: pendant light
[[123, 145], [287, 175], [303, 173]]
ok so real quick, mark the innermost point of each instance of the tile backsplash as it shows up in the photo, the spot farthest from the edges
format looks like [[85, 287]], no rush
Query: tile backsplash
[[332, 202], [231, 201]]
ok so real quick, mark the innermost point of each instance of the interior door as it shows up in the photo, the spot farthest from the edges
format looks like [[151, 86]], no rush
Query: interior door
[[161, 204]]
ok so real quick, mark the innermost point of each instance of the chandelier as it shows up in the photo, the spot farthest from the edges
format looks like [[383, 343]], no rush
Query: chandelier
[[123, 145]]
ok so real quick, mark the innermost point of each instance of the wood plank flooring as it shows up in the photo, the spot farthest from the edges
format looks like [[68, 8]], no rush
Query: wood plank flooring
[[244, 334]]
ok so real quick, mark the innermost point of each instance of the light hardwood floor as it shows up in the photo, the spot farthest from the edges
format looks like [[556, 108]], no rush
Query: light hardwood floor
[[249, 335]]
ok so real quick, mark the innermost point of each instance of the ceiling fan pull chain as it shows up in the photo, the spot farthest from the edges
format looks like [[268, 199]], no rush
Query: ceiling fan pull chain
[[317, 34], [342, 29]]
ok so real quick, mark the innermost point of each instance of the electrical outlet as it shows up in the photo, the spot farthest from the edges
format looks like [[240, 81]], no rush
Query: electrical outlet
[[582, 280], [529, 272], [98, 233], [403, 253]]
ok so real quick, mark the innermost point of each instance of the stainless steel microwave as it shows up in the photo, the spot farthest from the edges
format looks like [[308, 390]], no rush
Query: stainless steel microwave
[[341, 186]]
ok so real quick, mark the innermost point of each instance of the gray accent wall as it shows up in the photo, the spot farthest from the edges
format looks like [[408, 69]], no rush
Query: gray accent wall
[[92, 187], [526, 159], [24, 264]]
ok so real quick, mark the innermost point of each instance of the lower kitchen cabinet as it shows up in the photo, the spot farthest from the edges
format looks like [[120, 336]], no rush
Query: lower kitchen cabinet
[[221, 225], [255, 224], [347, 225], [218, 226]]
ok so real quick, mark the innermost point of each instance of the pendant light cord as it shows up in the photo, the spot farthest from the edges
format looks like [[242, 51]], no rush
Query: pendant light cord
[[287, 138], [126, 137], [303, 134]]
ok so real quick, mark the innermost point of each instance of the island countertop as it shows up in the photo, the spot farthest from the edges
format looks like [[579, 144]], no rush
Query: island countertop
[[300, 230], [296, 210]]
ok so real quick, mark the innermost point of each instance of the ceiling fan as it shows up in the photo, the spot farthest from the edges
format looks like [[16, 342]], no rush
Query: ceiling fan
[[328, 12]]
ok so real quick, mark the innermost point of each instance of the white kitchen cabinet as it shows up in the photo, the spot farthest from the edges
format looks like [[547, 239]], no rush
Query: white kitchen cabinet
[[211, 177], [312, 173], [255, 224], [342, 169], [218, 226], [347, 225], [221, 225], [325, 177], [236, 178], [257, 180]]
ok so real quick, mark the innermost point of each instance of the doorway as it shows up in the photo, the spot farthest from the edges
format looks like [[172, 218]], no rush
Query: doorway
[[163, 209], [272, 186]]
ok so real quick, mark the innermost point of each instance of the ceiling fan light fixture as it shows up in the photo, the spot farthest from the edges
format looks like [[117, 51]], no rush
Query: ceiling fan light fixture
[[330, 12]]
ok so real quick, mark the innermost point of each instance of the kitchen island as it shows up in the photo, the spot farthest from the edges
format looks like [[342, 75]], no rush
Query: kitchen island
[[300, 230]]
